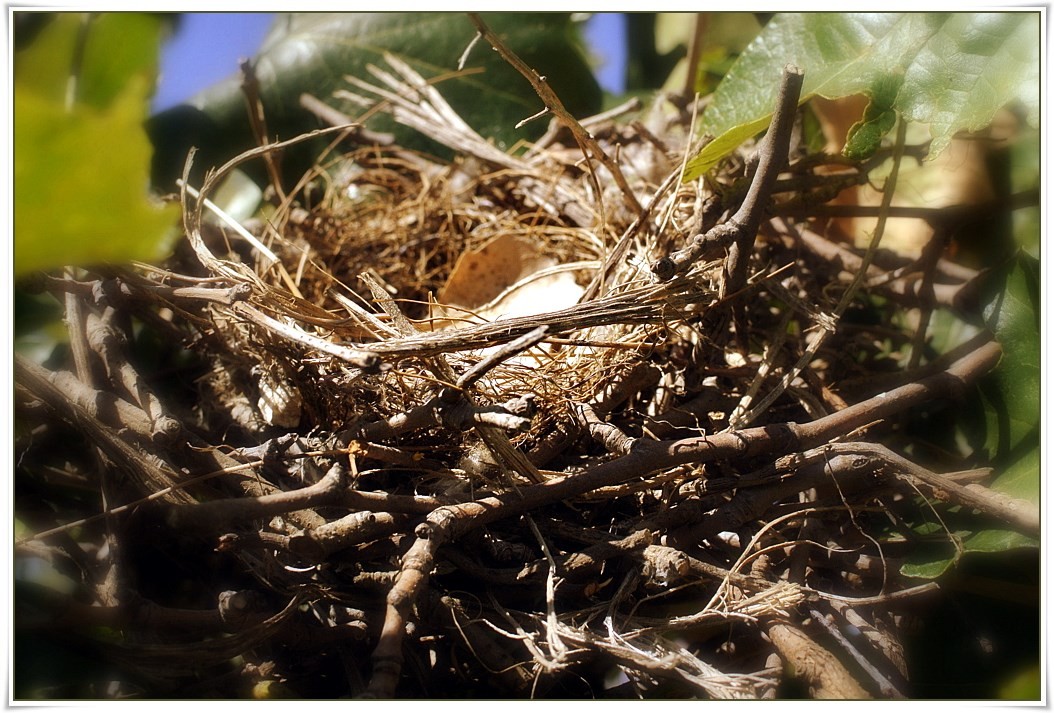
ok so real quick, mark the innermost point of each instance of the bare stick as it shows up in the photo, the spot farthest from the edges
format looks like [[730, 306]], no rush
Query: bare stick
[[218, 514], [108, 344], [1020, 514], [258, 121], [446, 409], [362, 359], [127, 290], [620, 386], [504, 352], [548, 96], [645, 456], [739, 232]]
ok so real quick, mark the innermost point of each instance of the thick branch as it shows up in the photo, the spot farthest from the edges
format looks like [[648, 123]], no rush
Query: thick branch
[[85, 408], [644, 457], [647, 456], [804, 658]]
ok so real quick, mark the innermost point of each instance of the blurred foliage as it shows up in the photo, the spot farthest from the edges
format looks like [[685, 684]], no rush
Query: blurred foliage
[[1026, 685], [1002, 422], [978, 637], [722, 36], [956, 70], [312, 53], [1013, 314], [651, 54], [81, 158]]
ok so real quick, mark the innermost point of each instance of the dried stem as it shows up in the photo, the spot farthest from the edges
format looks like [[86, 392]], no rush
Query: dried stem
[[250, 86], [553, 103], [738, 233], [219, 514], [506, 351], [645, 456], [356, 357]]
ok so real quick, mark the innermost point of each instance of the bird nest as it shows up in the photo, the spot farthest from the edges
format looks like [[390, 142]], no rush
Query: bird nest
[[530, 424]]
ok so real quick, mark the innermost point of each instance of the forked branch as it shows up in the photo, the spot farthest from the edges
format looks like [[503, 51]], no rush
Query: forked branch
[[644, 456], [737, 234]]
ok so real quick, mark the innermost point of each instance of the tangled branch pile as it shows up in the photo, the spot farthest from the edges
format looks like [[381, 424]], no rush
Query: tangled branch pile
[[393, 466]]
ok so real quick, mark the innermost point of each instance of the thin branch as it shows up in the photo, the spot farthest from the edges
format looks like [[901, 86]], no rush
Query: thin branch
[[645, 456], [738, 233], [218, 514], [506, 351], [548, 96], [956, 214], [334, 117], [1020, 514], [356, 357], [250, 86]]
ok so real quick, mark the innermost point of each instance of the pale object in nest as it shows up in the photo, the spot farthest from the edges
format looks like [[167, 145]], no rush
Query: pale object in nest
[[508, 276]]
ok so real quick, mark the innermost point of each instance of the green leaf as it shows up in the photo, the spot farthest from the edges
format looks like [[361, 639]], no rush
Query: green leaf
[[312, 53], [997, 541], [865, 136], [1014, 387], [984, 541], [1025, 685], [926, 570], [973, 66], [958, 69], [82, 174], [1013, 408]]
